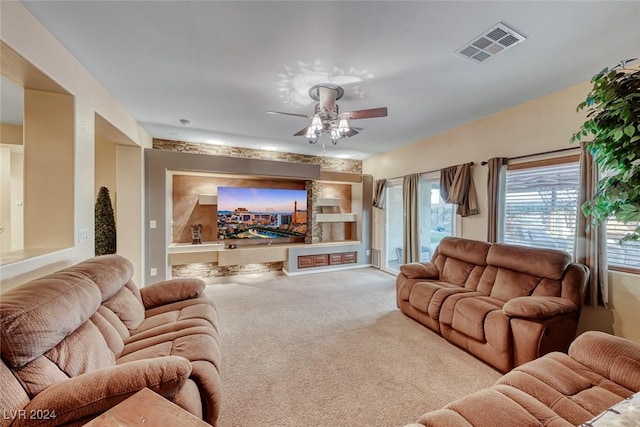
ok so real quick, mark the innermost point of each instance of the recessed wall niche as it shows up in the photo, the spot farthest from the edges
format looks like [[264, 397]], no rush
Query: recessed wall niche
[[187, 211]]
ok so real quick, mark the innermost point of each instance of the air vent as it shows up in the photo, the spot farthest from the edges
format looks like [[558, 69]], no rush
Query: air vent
[[491, 42]]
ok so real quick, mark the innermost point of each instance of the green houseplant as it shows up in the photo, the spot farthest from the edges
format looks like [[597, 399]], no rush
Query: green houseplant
[[105, 224], [613, 124]]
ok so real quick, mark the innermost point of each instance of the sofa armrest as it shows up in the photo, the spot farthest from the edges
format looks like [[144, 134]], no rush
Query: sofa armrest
[[538, 307], [420, 270], [169, 291], [88, 395], [615, 358]]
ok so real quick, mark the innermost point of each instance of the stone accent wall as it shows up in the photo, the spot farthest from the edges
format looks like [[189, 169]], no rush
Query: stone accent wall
[[207, 269], [328, 164]]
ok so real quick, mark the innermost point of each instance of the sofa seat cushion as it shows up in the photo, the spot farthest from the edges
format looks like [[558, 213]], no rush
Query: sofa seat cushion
[[423, 292], [569, 388], [470, 315], [195, 343]]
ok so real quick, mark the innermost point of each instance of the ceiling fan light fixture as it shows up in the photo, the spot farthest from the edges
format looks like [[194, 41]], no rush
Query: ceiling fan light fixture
[[343, 126], [316, 124], [335, 135]]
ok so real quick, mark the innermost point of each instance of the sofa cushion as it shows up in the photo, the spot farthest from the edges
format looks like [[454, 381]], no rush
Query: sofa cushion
[[469, 315], [511, 284], [549, 263], [169, 291], [35, 317], [538, 307], [93, 393], [108, 272], [126, 305], [471, 251], [419, 270]]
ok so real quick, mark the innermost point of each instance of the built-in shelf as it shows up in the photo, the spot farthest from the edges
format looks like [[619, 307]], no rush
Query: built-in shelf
[[184, 248], [208, 199], [327, 201], [336, 217]]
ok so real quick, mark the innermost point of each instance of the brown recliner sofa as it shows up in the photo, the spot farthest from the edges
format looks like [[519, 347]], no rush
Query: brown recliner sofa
[[596, 383], [506, 304], [79, 341]]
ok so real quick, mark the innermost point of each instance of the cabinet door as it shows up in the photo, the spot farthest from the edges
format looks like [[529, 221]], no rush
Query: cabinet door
[[335, 259], [349, 257], [319, 260], [305, 261]]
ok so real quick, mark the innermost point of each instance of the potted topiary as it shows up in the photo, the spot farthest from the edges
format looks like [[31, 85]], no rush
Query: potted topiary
[[613, 123], [105, 224]]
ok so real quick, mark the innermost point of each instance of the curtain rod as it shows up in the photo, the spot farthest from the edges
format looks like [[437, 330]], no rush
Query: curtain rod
[[435, 170], [560, 150]]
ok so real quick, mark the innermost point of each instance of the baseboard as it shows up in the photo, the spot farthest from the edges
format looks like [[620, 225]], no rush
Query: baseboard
[[323, 269]]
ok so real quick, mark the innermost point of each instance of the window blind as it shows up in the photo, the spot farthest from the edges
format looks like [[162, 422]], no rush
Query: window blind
[[622, 255], [541, 204]]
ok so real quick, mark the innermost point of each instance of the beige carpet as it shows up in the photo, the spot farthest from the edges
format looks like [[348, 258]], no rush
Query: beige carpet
[[331, 349]]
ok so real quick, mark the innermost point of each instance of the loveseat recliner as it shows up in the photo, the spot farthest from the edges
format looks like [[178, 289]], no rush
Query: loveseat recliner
[[79, 341], [597, 384], [506, 304]]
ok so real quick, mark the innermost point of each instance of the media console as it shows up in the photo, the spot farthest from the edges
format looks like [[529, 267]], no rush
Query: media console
[[297, 258]]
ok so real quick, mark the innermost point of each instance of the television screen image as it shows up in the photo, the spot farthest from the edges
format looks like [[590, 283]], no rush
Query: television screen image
[[261, 213]]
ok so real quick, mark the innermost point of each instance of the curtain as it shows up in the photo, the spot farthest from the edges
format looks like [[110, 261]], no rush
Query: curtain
[[411, 241], [456, 186], [590, 247], [493, 196], [379, 196]]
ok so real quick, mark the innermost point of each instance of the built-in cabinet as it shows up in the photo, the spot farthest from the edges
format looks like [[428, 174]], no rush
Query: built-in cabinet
[[322, 260]]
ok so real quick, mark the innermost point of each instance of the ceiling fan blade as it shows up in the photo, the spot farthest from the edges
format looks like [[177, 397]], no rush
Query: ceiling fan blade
[[301, 132], [289, 114], [351, 132], [364, 114]]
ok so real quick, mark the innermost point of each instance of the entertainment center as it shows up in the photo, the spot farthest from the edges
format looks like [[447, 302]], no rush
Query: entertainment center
[[250, 216]]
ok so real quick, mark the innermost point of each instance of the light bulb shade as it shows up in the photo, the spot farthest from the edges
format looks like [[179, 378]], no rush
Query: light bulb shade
[[316, 123], [310, 133], [335, 135], [343, 126]]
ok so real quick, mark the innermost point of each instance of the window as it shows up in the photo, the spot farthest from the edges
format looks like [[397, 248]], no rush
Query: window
[[625, 256], [541, 203], [437, 218]]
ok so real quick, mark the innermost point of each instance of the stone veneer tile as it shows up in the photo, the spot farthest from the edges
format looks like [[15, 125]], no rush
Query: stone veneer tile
[[208, 269], [328, 164]]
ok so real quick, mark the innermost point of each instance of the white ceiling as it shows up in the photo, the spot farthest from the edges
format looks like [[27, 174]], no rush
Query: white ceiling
[[223, 64]]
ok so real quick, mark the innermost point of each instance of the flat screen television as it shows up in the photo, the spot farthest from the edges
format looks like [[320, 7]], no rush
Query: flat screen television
[[262, 213]]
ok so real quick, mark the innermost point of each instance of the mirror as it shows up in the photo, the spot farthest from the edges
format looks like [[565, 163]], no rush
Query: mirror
[[11, 170]]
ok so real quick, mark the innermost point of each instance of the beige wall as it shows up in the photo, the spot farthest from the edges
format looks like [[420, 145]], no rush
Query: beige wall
[[105, 166], [10, 134], [540, 125], [42, 54]]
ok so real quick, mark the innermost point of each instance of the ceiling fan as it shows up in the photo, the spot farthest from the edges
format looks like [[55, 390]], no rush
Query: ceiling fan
[[327, 118]]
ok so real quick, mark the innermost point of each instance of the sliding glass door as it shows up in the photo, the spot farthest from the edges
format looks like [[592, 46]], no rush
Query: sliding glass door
[[393, 226], [436, 220]]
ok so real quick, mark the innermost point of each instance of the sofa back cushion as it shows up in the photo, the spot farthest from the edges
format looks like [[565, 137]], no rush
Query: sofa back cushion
[[84, 350], [516, 271], [461, 261], [112, 274], [539, 262], [37, 316]]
